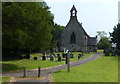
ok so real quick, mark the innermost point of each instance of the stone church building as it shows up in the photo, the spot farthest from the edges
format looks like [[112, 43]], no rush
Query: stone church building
[[74, 37]]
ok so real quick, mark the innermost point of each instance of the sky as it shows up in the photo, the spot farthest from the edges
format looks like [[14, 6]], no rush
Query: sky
[[95, 15], [119, 11]]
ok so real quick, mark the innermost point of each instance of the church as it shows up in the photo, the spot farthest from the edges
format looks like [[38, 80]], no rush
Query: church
[[75, 38]]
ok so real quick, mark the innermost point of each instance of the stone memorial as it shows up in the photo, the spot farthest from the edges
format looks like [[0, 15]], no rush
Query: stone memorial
[[43, 57], [35, 58], [59, 58], [107, 53], [79, 56], [51, 58], [27, 56], [63, 55], [58, 55], [113, 53], [71, 55]]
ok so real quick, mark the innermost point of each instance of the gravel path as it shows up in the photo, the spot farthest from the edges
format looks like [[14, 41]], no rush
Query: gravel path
[[45, 72]]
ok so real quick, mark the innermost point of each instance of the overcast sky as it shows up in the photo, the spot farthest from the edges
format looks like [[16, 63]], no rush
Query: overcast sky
[[95, 15]]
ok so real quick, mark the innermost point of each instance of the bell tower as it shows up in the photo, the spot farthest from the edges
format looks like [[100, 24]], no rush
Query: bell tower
[[73, 12]]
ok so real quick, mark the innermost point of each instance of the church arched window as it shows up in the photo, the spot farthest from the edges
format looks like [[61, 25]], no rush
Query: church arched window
[[73, 13], [72, 39]]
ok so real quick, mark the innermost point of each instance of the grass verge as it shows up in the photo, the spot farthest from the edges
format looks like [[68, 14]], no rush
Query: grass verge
[[104, 69], [4, 80], [34, 64]]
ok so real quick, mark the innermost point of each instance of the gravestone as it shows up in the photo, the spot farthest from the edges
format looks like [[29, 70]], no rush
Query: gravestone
[[24, 56], [58, 55], [113, 53], [51, 58], [79, 56], [35, 58], [107, 53], [71, 55], [59, 58], [43, 58], [63, 55], [27, 56]]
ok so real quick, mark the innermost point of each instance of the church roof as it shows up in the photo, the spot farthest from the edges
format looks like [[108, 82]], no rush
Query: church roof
[[80, 24], [73, 8]]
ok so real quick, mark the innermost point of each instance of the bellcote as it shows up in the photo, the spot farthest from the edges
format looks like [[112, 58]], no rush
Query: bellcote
[[73, 11]]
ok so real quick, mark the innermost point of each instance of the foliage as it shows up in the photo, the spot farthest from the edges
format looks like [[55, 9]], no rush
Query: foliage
[[104, 69], [103, 42], [56, 33], [116, 35], [27, 26], [101, 33], [5, 80]]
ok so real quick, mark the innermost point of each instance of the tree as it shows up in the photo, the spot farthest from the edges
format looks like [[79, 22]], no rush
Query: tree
[[103, 42], [101, 34], [56, 33], [116, 35], [26, 26]]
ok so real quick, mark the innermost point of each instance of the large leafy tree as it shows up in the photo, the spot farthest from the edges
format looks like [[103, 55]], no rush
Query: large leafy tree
[[26, 26], [56, 33], [103, 40], [116, 35], [104, 43]]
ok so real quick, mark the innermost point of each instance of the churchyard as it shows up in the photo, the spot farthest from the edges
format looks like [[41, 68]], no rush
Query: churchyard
[[25, 47], [104, 69], [33, 63]]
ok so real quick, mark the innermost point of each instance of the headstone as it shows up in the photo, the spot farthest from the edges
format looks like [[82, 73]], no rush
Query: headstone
[[107, 53], [24, 56], [43, 58], [35, 58], [51, 58], [27, 56], [63, 55], [113, 53], [58, 55], [59, 58], [79, 56], [71, 55]]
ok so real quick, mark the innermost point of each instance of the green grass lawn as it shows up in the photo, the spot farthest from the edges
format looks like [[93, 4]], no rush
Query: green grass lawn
[[4, 80], [100, 50], [104, 69], [34, 64]]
